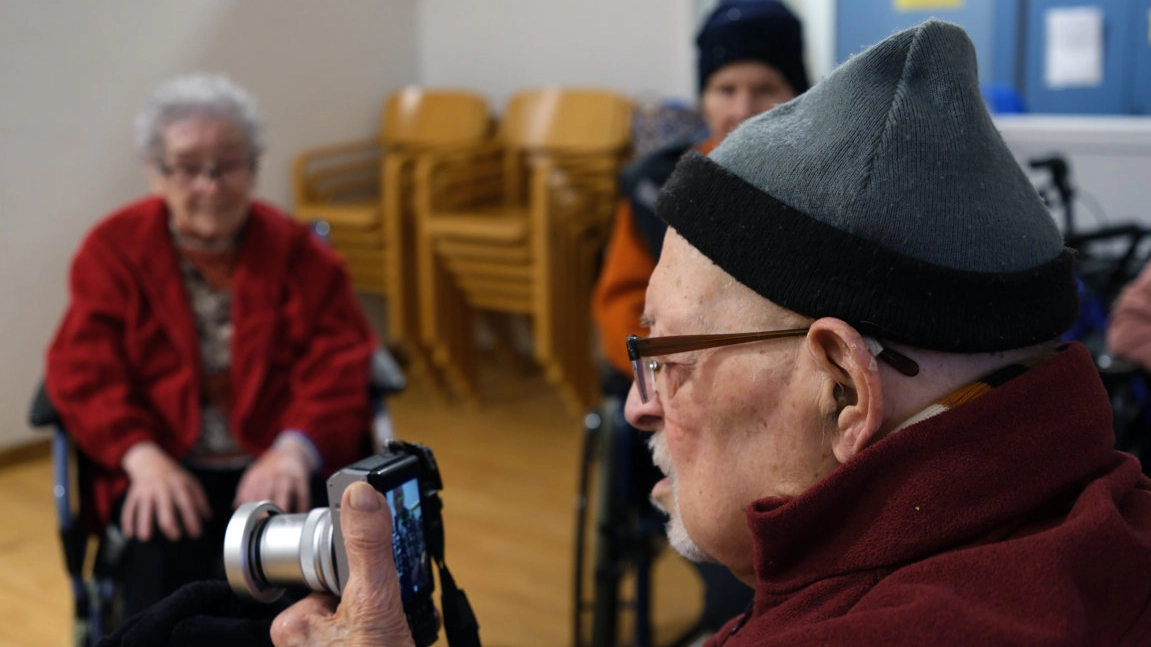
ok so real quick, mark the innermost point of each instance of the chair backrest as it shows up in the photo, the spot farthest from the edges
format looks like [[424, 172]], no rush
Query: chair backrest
[[568, 120], [561, 121], [416, 117]]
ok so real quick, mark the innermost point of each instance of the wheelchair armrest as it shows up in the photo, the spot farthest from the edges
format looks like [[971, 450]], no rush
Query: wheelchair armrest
[[42, 413], [387, 376]]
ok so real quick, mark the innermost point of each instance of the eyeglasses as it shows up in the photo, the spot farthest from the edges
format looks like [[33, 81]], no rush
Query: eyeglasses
[[640, 351], [225, 172]]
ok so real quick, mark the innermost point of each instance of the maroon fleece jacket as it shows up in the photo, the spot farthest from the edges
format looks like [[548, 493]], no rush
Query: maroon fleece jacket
[[1009, 520]]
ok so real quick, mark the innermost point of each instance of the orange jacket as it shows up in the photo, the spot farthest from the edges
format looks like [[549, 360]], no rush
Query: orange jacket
[[617, 301]]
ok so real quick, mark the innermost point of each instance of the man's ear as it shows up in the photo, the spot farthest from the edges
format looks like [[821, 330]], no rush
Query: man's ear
[[851, 390]]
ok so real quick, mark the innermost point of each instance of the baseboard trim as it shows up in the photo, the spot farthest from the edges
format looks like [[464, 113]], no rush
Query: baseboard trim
[[24, 453]]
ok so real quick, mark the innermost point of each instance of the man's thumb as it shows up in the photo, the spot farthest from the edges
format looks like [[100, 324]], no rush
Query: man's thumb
[[366, 524]]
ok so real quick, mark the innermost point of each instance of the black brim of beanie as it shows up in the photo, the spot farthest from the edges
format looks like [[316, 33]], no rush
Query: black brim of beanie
[[817, 270]]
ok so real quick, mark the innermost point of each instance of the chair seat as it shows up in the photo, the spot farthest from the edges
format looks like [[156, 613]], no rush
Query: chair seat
[[362, 215], [497, 224], [349, 238], [466, 249]]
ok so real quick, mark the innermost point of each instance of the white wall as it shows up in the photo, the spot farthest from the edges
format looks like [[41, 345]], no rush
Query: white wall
[[643, 48], [1110, 160], [72, 75], [501, 46]]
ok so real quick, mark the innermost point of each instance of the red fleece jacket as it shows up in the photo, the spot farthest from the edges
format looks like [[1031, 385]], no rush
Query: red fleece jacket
[[125, 364], [1005, 521]]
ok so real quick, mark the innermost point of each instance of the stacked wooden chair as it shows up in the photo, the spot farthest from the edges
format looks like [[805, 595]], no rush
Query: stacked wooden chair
[[359, 195], [517, 227]]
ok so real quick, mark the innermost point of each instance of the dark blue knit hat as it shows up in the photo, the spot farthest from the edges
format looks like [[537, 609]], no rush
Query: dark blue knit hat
[[885, 197], [756, 30]]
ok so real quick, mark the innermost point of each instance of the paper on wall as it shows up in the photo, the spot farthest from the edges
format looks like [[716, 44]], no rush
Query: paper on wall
[[1074, 54]]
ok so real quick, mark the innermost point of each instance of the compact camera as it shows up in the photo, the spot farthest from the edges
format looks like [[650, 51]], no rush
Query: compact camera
[[266, 551]]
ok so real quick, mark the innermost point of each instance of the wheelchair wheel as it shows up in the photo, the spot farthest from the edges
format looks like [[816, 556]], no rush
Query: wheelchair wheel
[[619, 540]]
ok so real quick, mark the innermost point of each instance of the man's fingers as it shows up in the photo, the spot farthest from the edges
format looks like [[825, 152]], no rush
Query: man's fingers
[[297, 623], [367, 528]]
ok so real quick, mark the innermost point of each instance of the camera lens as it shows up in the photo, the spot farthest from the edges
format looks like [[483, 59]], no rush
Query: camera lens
[[266, 551]]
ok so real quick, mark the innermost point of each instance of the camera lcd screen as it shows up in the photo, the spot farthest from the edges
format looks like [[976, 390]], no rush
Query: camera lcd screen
[[412, 561]]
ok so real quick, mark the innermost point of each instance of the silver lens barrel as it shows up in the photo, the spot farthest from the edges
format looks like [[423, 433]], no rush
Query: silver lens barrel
[[266, 550]]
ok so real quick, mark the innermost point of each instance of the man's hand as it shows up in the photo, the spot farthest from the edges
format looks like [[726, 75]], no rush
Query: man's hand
[[160, 493], [371, 612], [280, 475]]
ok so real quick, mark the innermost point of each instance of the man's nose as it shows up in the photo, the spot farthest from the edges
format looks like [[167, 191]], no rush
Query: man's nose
[[643, 416], [745, 106]]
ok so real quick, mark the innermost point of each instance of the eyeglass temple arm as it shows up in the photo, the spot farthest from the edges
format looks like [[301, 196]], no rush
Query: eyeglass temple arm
[[898, 361]]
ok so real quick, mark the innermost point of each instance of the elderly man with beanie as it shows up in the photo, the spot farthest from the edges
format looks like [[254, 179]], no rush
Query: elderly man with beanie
[[855, 389], [750, 58]]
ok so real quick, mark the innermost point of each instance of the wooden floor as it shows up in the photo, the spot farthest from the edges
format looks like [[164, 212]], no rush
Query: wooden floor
[[510, 473]]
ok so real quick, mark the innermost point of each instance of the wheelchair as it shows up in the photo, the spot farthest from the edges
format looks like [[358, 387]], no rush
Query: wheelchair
[[92, 558], [1107, 259], [626, 536]]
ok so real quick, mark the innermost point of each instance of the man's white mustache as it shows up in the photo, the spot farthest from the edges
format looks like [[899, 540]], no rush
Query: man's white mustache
[[661, 455]]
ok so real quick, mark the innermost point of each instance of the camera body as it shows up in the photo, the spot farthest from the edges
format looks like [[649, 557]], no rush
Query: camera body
[[266, 550]]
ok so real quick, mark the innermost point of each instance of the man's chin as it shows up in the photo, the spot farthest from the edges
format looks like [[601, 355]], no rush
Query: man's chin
[[679, 540]]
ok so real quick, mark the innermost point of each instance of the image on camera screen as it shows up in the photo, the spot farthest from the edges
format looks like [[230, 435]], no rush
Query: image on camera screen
[[412, 562]]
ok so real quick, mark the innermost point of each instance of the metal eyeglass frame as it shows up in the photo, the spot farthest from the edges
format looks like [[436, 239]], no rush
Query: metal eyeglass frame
[[219, 172]]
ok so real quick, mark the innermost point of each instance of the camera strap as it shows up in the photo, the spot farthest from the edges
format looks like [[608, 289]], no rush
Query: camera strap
[[460, 625]]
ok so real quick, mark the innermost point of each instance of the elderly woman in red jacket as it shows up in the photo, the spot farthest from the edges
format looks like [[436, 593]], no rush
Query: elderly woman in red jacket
[[213, 351]]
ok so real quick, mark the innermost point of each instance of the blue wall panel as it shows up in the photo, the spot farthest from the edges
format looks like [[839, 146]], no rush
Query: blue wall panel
[[991, 25], [1141, 46], [1114, 95]]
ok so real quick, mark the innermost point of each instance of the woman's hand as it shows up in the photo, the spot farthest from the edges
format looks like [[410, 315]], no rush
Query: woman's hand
[[371, 612], [161, 493], [281, 475]]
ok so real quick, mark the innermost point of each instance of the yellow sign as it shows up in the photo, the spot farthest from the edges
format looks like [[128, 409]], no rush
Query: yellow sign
[[926, 5]]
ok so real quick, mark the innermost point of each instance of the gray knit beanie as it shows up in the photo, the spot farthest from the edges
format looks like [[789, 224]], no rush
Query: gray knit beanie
[[885, 197]]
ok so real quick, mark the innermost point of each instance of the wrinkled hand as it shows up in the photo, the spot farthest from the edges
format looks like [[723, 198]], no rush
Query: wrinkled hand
[[281, 475], [371, 611], [161, 493]]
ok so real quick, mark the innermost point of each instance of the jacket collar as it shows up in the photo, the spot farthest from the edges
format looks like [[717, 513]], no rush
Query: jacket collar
[[950, 480]]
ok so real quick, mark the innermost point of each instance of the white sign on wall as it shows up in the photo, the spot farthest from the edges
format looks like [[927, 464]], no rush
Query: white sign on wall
[[1073, 57]]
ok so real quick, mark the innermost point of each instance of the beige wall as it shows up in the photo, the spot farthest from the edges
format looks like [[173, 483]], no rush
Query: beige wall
[[500, 46], [643, 48], [72, 75]]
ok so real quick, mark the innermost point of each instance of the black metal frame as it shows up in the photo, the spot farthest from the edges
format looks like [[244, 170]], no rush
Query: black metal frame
[[628, 533]]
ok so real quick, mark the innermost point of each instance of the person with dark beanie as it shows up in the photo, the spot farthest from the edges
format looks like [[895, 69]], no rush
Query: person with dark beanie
[[750, 59], [855, 388]]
